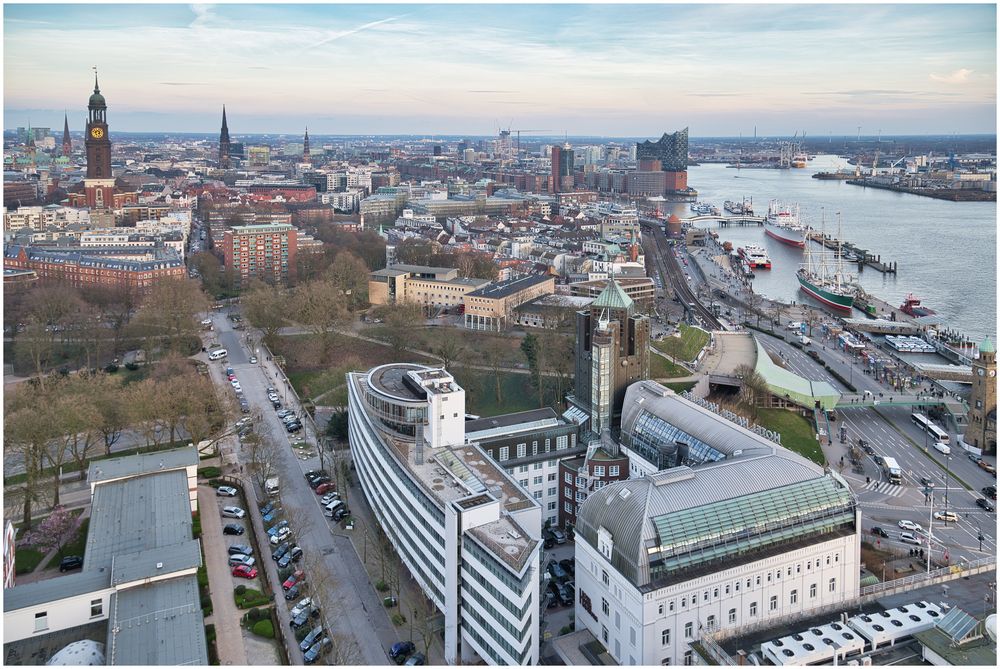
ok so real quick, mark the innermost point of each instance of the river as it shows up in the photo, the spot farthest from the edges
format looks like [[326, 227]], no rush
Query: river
[[945, 251]]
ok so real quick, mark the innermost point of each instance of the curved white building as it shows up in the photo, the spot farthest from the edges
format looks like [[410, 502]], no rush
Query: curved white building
[[468, 533]]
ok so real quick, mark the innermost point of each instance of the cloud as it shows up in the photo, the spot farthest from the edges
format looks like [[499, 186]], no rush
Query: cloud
[[959, 76], [491, 91], [346, 33], [184, 83]]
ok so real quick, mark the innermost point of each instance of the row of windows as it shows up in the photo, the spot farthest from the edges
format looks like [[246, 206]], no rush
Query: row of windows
[[522, 449], [497, 637], [500, 617], [499, 596], [515, 584]]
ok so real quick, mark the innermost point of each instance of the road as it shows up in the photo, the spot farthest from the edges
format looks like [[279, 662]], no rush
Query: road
[[355, 610]]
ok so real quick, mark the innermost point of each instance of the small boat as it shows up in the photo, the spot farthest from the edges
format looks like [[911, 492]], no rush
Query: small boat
[[755, 256], [911, 306]]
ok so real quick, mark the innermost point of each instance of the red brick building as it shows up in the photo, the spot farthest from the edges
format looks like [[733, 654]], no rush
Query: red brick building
[[578, 477], [77, 268], [265, 252]]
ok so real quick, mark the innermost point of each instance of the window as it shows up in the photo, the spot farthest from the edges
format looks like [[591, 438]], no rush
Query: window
[[671, 606], [604, 634], [684, 602], [774, 603], [828, 560], [737, 586], [568, 492], [704, 597], [553, 506], [665, 662], [613, 470], [96, 608], [523, 482], [688, 657], [618, 620], [794, 598], [604, 577], [659, 610], [568, 507], [812, 590], [798, 569], [534, 448], [836, 557], [537, 494], [41, 621], [537, 465], [833, 585], [599, 470], [732, 616], [631, 636], [688, 630], [753, 608], [553, 492], [537, 480], [711, 622], [768, 577], [552, 477], [522, 469], [605, 607], [715, 593], [758, 581], [521, 448], [568, 477], [665, 637], [727, 589]]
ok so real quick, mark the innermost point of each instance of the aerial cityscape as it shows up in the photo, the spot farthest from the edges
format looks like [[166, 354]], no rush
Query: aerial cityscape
[[476, 334]]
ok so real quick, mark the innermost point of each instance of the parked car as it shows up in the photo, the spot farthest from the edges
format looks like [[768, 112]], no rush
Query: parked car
[[880, 532], [570, 588], [330, 496], [284, 412], [245, 549], [285, 560], [987, 466], [313, 473], [324, 488], [548, 543], [240, 558], [302, 617], [400, 650], [321, 647], [277, 527], [984, 504], [293, 579], [295, 553], [226, 491], [813, 354], [253, 360], [975, 458], [267, 508], [233, 512], [416, 660], [990, 491], [559, 535], [243, 571], [908, 538], [70, 562], [301, 606], [233, 528], [318, 481], [311, 638], [340, 514], [280, 551], [557, 572], [293, 593], [565, 597], [283, 533], [568, 566], [947, 516], [908, 525], [293, 427]]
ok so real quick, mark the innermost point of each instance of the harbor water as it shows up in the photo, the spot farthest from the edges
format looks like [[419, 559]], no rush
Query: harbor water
[[945, 251]]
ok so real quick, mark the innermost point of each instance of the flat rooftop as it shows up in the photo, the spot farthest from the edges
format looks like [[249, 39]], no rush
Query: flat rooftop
[[135, 465], [508, 420], [138, 514], [388, 379], [506, 288], [157, 624]]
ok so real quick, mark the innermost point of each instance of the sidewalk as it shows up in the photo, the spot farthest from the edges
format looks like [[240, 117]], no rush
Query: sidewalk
[[225, 615]]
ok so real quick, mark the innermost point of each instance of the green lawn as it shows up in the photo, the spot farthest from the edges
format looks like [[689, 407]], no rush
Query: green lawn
[[682, 386], [797, 433], [687, 346], [26, 559], [518, 394], [661, 368]]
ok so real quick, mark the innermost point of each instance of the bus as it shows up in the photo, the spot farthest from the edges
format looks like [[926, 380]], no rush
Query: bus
[[892, 470], [925, 424]]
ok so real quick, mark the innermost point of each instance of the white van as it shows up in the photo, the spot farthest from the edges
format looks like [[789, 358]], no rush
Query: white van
[[942, 448], [218, 354], [795, 325], [804, 340], [332, 507]]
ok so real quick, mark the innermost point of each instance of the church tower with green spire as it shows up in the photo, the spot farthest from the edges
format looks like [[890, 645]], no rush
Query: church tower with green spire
[[982, 430]]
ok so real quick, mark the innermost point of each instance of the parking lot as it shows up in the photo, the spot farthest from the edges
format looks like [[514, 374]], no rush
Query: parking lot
[[559, 616]]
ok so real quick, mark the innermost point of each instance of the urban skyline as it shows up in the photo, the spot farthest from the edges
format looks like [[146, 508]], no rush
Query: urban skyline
[[365, 69]]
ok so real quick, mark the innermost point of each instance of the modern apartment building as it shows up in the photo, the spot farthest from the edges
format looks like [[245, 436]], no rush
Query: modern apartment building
[[466, 531], [261, 251], [729, 529]]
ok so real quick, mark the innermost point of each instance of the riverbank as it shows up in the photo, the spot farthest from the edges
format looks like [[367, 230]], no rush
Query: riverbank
[[950, 194]]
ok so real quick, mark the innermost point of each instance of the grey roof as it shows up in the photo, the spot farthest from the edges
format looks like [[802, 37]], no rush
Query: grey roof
[[138, 514], [388, 271], [505, 288], [509, 419], [134, 465], [157, 624], [628, 509], [54, 589], [422, 269], [155, 562]]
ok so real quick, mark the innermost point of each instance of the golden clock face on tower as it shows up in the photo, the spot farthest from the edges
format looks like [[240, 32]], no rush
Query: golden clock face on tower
[[97, 133]]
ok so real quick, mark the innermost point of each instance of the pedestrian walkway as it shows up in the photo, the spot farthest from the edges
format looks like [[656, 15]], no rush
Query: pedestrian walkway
[[885, 488]]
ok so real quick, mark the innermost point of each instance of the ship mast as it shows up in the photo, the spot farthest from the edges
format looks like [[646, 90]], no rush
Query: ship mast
[[840, 252], [822, 258]]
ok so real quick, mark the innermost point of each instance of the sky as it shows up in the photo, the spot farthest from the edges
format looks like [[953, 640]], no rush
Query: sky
[[596, 69]]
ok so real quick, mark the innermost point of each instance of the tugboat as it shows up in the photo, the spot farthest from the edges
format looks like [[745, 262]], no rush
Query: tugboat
[[911, 306]]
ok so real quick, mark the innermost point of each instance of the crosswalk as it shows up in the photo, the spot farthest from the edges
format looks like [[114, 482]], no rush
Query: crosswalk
[[885, 488]]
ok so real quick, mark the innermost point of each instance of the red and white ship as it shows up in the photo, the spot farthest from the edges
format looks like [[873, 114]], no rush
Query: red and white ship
[[755, 256], [782, 223]]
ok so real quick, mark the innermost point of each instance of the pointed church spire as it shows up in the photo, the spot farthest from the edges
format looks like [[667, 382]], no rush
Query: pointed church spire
[[305, 147], [67, 144], [224, 148], [225, 126], [97, 88]]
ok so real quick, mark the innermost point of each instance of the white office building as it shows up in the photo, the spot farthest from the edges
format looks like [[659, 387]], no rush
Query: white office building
[[729, 529], [467, 532]]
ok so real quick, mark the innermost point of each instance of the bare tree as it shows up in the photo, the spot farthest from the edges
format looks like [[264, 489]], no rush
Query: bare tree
[[265, 308], [350, 274], [425, 622], [775, 311], [495, 357], [344, 649], [263, 452], [449, 347], [756, 301], [400, 322], [27, 435], [811, 319], [753, 390], [320, 306], [36, 344]]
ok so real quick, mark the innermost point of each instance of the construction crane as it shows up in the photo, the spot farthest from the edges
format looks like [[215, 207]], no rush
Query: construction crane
[[519, 137]]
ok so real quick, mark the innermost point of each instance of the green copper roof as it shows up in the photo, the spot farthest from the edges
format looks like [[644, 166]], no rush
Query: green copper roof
[[987, 346], [613, 297]]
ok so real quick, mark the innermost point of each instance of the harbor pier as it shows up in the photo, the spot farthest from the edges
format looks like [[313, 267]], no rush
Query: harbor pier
[[854, 254]]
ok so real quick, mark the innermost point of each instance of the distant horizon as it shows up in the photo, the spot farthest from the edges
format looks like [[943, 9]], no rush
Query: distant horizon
[[583, 70]]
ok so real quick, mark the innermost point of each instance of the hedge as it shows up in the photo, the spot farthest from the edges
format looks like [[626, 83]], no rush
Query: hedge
[[210, 472], [263, 628], [249, 598]]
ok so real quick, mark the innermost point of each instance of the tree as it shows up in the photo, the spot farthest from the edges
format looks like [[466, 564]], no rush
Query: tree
[[26, 436], [425, 622], [111, 412], [263, 453], [400, 322], [533, 351], [265, 308], [168, 315], [495, 357], [415, 251], [559, 359], [753, 389], [811, 319], [449, 347], [54, 532], [350, 274], [35, 345], [320, 306], [756, 301], [116, 305], [775, 311], [336, 427], [344, 649]]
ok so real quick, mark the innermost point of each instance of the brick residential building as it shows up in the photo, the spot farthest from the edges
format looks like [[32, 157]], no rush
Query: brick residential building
[[261, 251], [80, 268]]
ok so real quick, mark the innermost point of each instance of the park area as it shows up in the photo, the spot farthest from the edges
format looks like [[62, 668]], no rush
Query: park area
[[797, 433], [685, 347]]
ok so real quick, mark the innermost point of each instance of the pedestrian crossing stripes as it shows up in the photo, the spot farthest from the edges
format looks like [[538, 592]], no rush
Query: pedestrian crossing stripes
[[885, 488]]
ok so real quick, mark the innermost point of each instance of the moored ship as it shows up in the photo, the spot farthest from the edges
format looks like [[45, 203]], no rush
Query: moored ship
[[911, 306], [782, 223], [827, 284], [755, 256]]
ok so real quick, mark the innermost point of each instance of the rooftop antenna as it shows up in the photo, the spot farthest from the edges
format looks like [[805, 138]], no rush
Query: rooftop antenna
[[859, 133]]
